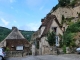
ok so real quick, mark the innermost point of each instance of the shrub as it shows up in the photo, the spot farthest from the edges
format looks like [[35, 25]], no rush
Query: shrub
[[73, 3], [63, 3], [70, 33], [64, 48], [51, 38], [7, 49]]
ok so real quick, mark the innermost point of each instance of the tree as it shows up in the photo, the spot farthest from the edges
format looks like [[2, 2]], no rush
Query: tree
[[68, 37], [73, 3], [64, 2], [51, 38]]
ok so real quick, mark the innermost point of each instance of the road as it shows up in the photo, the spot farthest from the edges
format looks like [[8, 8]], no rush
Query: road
[[48, 57]]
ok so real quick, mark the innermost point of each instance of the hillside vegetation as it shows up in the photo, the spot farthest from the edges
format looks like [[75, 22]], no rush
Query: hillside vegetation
[[66, 3], [70, 33], [5, 31]]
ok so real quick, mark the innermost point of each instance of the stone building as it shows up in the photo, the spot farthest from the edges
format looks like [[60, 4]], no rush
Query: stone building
[[49, 23], [15, 41], [52, 22]]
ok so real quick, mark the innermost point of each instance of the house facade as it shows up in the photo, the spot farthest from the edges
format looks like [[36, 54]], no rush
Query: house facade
[[35, 42], [15, 41], [49, 24]]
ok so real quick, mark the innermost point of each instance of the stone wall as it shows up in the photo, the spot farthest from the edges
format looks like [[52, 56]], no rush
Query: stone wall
[[16, 53]]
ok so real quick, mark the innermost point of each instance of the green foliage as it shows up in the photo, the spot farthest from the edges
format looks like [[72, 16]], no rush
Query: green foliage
[[67, 20], [27, 34], [68, 39], [51, 38], [73, 43], [63, 19], [70, 33], [73, 3], [74, 28], [61, 42], [63, 3], [7, 49], [5, 31], [64, 48]]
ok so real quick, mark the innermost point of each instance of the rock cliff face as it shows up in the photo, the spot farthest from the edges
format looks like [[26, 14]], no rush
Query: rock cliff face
[[68, 12]]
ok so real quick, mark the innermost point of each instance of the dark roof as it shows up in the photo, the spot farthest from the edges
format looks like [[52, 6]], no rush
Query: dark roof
[[47, 23]]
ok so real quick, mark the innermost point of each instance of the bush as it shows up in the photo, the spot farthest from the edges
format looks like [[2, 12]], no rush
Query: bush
[[64, 3], [70, 33], [51, 38], [73, 3], [68, 38], [64, 48], [7, 49]]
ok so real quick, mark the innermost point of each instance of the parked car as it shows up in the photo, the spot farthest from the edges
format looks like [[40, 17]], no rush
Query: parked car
[[2, 54], [78, 50]]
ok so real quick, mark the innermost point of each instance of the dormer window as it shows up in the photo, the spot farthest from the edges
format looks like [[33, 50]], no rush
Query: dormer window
[[54, 29]]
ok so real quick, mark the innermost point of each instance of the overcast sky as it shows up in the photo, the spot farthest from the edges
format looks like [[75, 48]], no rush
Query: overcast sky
[[24, 14]]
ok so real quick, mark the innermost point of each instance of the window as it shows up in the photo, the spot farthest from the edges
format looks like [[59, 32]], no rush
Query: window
[[19, 47], [54, 29]]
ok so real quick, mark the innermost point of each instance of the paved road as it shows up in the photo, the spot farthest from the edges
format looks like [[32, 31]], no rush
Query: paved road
[[48, 57]]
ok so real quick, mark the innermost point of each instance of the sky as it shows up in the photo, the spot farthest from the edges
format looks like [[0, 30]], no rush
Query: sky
[[24, 14]]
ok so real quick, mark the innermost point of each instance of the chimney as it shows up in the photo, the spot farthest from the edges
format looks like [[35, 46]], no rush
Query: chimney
[[13, 28]]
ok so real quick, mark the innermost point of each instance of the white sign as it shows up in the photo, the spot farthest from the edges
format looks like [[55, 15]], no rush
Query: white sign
[[19, 48], [57, 41]]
